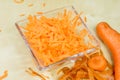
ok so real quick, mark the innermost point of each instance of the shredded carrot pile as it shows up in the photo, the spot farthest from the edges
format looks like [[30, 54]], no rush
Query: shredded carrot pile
[[4, 75], [18, 1], [53, 39]]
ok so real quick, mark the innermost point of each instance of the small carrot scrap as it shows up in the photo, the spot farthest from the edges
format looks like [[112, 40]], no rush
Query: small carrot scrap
[[4, 75], [30, 5], [44, 4], [40, 13], [81, 12], [18, 1], [22, 15], [53, 39], [34, 73], [97, 62], [85, 19]]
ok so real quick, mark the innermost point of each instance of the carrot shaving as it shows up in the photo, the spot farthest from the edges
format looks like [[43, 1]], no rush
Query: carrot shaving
[[81, 71], [85, 19], [91, 37], [4, 75], [34, 73], [53, 39], [22, 15], [81, 12], [65, 70], [86, 55], [30, 5], [18, 1], [44, 4], [40, 13]]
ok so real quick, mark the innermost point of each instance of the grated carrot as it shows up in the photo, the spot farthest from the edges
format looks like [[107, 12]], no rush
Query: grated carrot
[[44, 4], [85, 19], [81, 12], [40, 13], [22, 15], [30, 5], [4, 75], [53, 39], [34, 73], [18, 1]]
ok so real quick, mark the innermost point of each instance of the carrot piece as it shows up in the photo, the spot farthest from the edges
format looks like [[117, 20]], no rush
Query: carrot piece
[[34, 73], [44, 4], [39, 12], [18, 1], [4, 75], [22, 15], [97, 62], [112, 39], [30, 5], [85, 19]]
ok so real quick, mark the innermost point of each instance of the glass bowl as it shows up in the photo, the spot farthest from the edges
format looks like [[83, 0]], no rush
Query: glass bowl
[[88, 38]]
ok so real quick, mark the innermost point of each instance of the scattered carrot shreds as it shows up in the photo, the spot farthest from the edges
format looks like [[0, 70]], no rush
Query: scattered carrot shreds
[[40, 13], [44, 4], [34, 73], [18, 1], [85, 19], [30, 5], [53, 39], [22, 15], [4, 75]]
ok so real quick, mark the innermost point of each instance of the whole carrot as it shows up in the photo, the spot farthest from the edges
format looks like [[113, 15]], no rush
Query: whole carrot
[[112, 39]]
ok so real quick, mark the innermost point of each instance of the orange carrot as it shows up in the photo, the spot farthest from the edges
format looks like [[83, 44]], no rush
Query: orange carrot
[[97, 62], [112, 39]]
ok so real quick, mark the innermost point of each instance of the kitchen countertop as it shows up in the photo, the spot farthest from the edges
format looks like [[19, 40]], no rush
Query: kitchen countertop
[[14, 54]]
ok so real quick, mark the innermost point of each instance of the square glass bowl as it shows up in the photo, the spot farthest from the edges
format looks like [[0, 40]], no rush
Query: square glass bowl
[[89, 38]]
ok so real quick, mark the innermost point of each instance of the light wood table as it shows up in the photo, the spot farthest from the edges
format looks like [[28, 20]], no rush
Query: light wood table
[[14, 54]]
